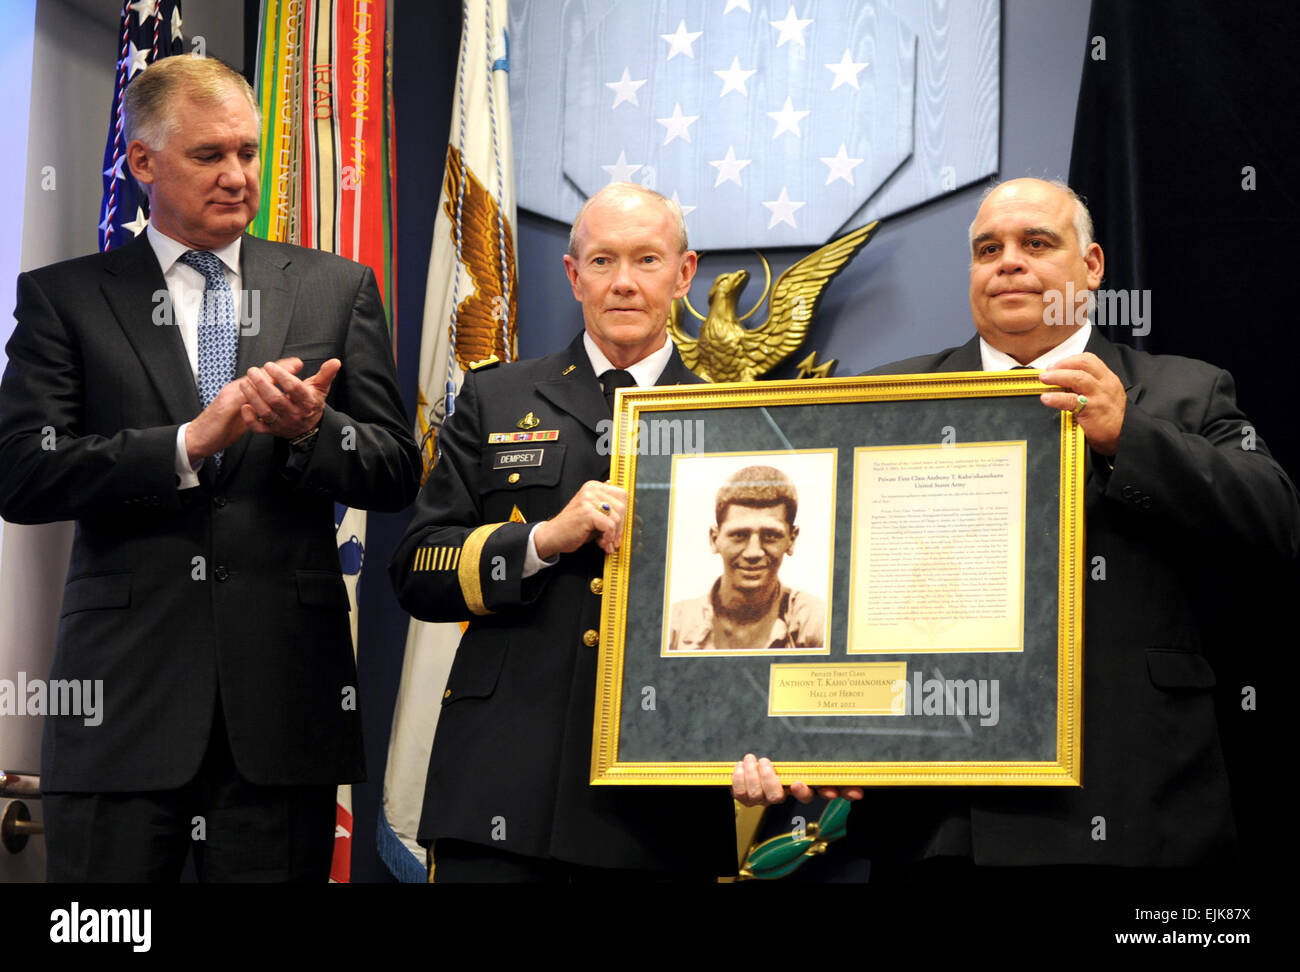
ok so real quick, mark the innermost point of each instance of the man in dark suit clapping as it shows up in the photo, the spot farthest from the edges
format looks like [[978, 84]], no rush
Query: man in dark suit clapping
[[197, 401]]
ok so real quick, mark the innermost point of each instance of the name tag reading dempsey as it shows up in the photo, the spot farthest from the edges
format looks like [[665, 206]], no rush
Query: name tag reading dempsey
[[517, 457], [867, 688]]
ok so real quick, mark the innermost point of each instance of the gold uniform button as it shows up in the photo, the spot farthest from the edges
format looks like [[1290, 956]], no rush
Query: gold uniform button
[[447, 694], [597, 585], [513, 478], [591, 637]]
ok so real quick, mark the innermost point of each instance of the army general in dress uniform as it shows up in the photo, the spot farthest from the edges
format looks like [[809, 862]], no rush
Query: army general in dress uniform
[[510, 532]]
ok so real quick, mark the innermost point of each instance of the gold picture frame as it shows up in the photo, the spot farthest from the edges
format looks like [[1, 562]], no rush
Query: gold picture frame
[[683, 718]]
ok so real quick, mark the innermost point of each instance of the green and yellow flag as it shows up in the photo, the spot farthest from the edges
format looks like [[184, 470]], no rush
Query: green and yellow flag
[[325, 85]]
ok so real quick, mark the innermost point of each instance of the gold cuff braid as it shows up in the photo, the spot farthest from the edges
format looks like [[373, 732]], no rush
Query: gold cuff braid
[[471, 581]]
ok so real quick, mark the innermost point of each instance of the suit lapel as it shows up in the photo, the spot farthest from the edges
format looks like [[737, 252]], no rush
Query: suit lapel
[[965, 358], [270, 288], [135, 289], [1109, 354]]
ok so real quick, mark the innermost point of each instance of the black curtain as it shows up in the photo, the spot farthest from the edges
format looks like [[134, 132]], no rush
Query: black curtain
[[1185, 148], [1193, 100]]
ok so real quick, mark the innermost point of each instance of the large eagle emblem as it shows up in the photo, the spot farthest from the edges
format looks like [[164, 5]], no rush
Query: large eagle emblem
[[726, 350]]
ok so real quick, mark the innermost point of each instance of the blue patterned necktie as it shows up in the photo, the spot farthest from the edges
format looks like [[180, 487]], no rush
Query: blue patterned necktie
[[218, 332]]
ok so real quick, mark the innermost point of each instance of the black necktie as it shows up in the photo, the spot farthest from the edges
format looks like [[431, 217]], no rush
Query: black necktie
[[612, 381]]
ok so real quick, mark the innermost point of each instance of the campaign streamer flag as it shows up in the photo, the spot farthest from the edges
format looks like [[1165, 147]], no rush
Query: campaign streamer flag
[[469, 314], [151, 29], [325, 89]]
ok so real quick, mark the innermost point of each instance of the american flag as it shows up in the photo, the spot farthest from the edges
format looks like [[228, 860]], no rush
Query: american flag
[[151, 29]]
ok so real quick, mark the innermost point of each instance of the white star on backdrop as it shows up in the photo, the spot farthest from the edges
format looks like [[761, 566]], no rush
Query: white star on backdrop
[[737, 5], [840, 166], [686, 210], [783, 209], [846, 71], [621, 171], [176, 24], [138, 224], [734, 78], [787, 119], [681, 41], [137, 58], [115, 170], [678, 125], [729, 168], [625, 89], [144, 9], [791, 28]]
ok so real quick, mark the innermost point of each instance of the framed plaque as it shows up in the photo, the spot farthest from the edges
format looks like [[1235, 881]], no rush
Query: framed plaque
[[868, 580]]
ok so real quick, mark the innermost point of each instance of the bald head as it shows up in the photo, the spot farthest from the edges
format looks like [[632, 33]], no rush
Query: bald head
[[622, 194], [1031, 251], [1080, 218]]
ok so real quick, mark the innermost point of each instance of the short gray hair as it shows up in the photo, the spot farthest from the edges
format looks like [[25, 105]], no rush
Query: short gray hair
[[147, 104], [617, 190], [1082, 218]]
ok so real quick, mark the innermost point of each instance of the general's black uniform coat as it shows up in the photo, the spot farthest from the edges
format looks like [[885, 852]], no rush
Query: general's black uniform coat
[[512, 754], [231, 589]]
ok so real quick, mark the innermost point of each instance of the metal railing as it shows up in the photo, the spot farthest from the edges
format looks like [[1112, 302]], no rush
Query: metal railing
[[16, 824]]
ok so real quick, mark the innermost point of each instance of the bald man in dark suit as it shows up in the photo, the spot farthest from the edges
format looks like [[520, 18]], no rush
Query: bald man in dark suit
[[1177, 480]]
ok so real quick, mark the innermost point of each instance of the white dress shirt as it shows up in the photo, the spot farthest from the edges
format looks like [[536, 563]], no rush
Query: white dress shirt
[[995, 360]]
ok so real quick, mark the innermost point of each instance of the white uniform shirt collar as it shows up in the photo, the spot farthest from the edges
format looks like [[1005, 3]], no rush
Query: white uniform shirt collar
[[995, 360], [645, 372]]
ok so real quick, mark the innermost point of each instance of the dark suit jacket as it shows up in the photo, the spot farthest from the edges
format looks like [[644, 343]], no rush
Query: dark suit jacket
[[231, 589], [1184, 501], [514, 735]]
